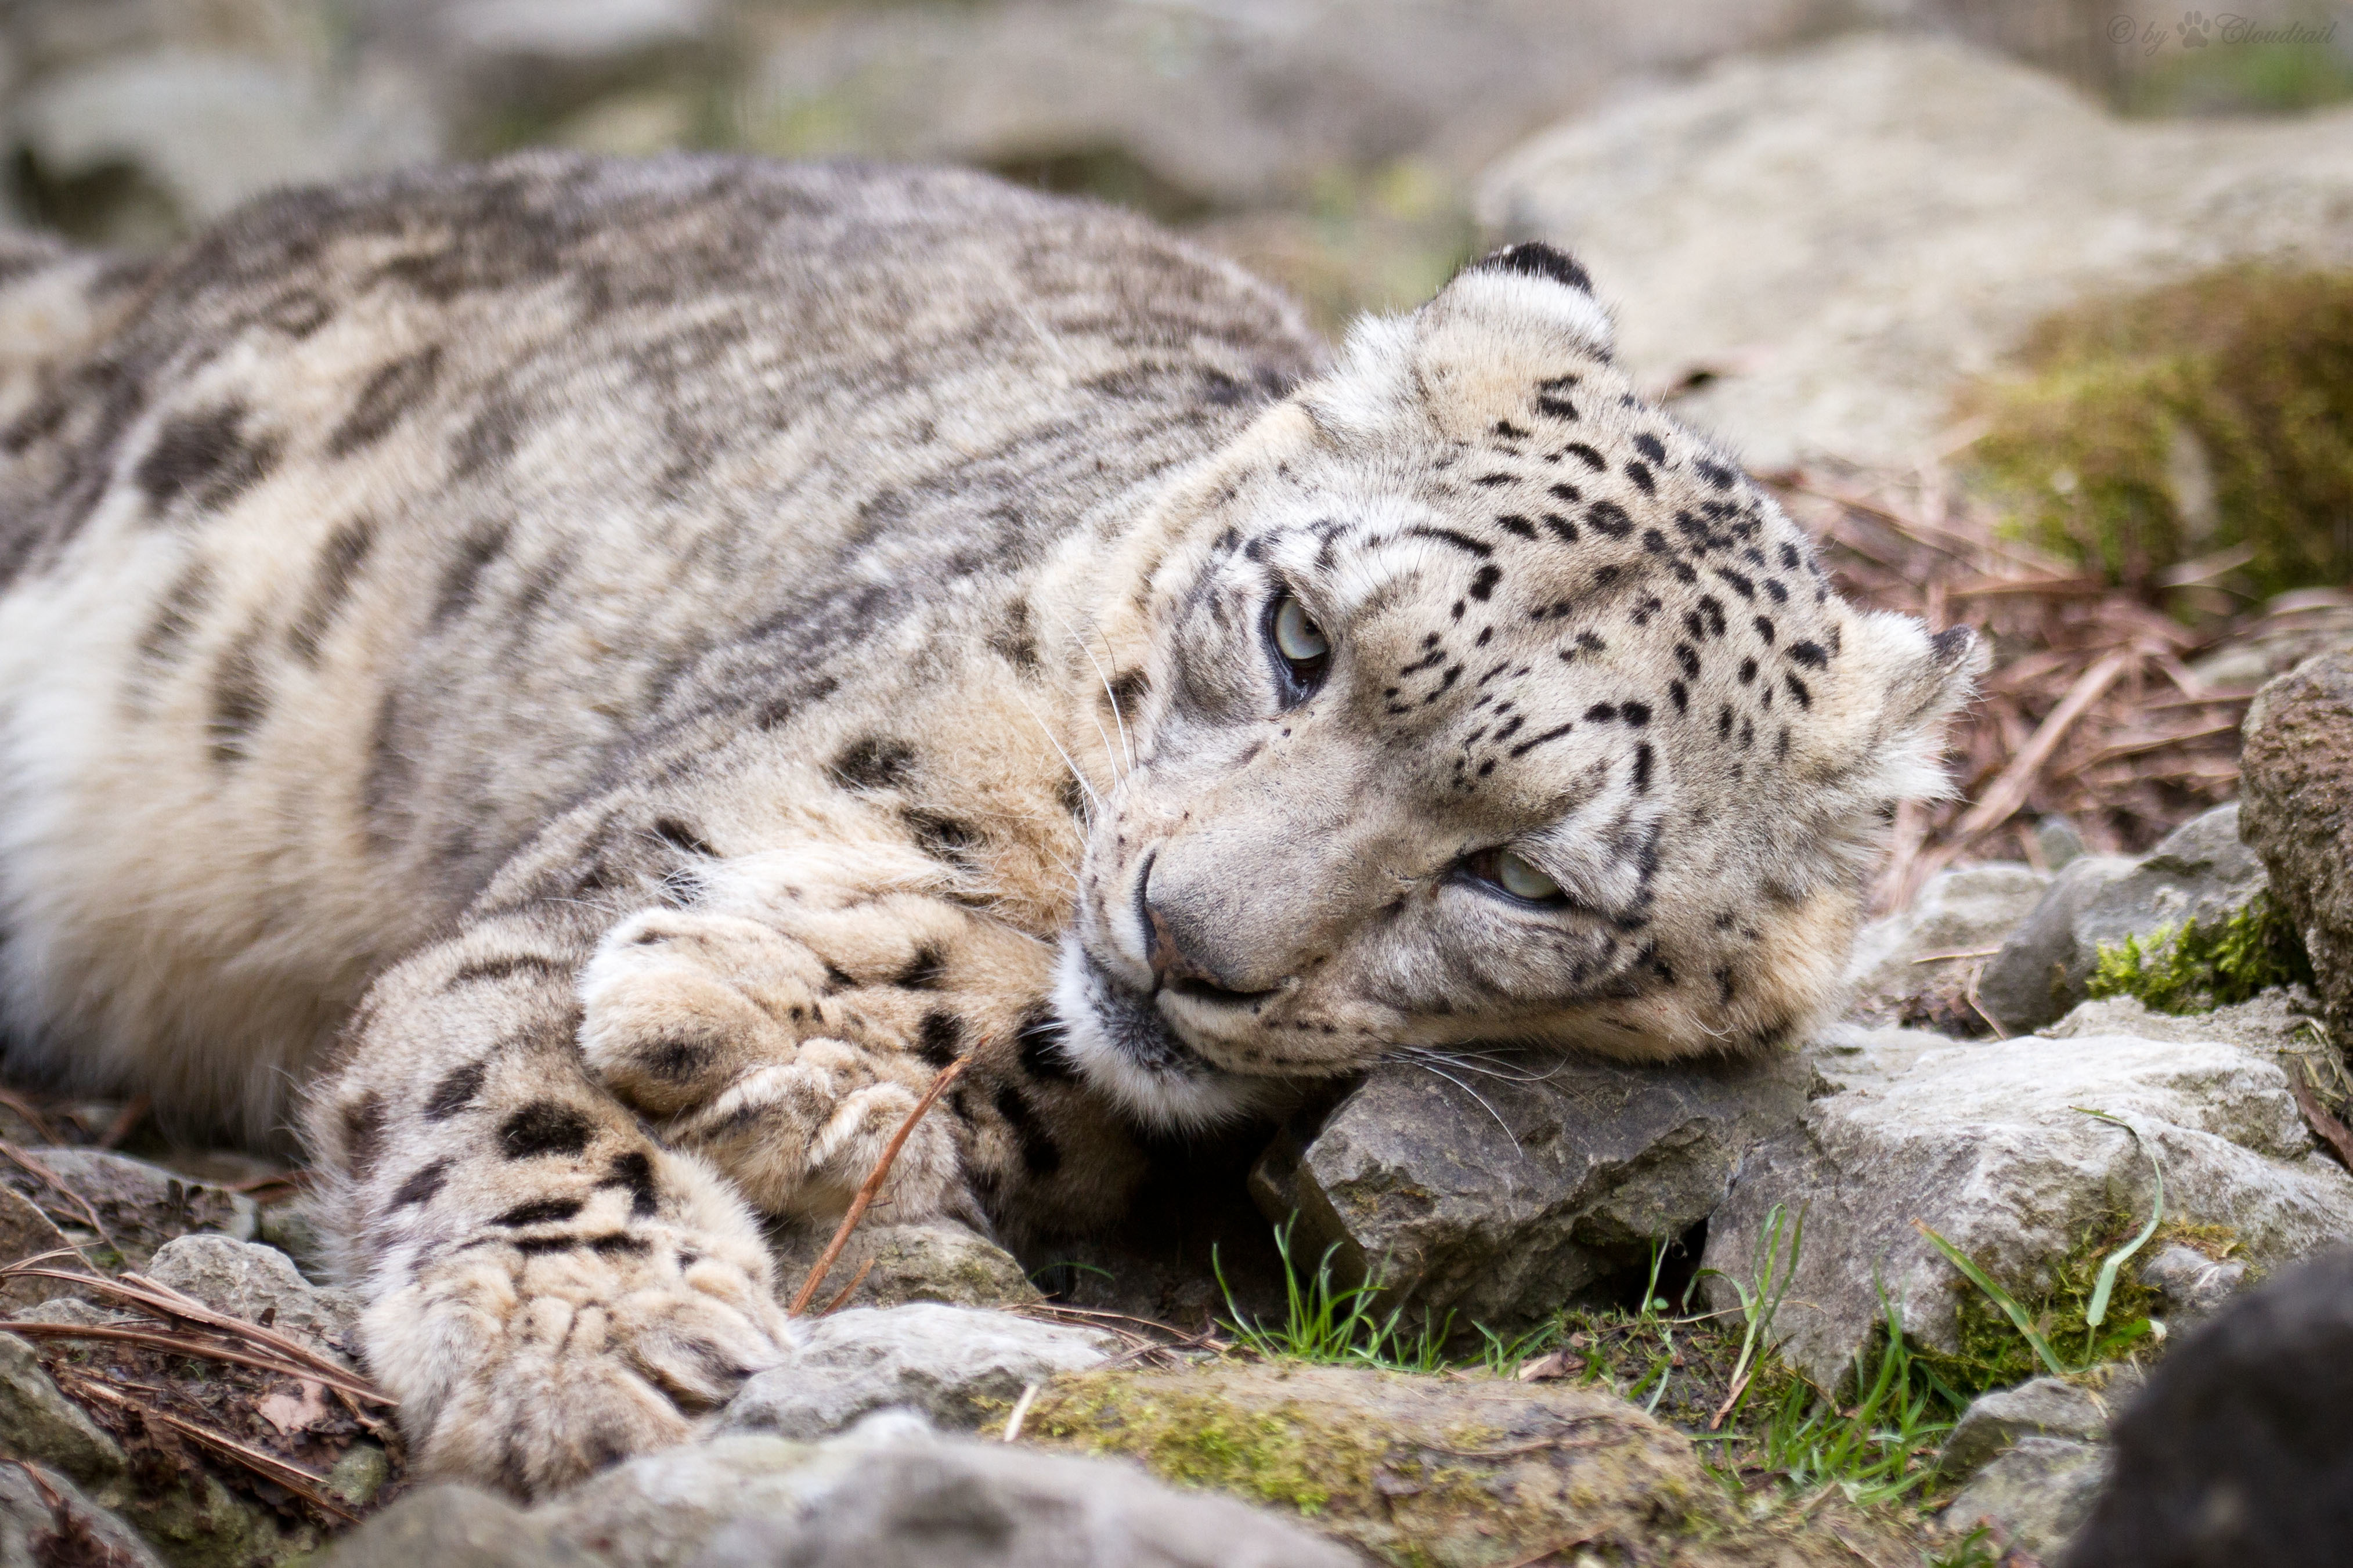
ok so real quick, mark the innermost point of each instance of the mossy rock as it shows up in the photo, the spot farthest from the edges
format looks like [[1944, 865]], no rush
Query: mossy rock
[[1459, 1471], [2198, 968], [2209, 416]]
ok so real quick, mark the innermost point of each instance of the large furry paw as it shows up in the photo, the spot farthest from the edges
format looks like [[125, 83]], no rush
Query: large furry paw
[[730, 1032], [527, 1361]]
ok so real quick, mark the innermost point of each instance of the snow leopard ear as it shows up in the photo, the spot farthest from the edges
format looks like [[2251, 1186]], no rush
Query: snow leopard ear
[[1504, 328], [1531, 288]]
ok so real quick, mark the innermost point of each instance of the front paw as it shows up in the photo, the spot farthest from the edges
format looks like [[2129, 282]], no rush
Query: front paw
[[528, 1362], [726, 1031]]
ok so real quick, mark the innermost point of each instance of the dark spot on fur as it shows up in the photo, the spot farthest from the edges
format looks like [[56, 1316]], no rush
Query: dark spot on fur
[[1510, 523], [1681, 694], [504, 968], [1642, 760], [544, 1211], [1798, 690], [1039, 1041], [682, 838], [939, 1038], [1483, 584], [1651, 448], [421, 1187], [363, 1121], [206, 456], [1610, 517], [463, 578], [177, 615], [240, 700], [1640, 474], [331, 585], [455, 1091], [390, 393], [1530, 744], [1765, 628], [1462, 542], [940, 836], [1040, 1156], [874, 762], [635, 1170], [926, 970], [545, 1127], [674, 1061]]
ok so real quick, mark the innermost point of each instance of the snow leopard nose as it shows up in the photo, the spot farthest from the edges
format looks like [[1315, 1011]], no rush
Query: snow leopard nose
[[1171, 957]]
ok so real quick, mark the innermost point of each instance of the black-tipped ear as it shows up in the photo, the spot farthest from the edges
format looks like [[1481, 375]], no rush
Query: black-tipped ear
[[1536, 259]]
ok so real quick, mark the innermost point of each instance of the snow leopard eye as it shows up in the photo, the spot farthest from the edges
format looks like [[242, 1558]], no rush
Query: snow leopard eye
[[1303, 654], [1515, 874]]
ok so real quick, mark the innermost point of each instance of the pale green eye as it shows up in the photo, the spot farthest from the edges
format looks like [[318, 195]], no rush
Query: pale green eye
[[1296, 637], [1523, 880]]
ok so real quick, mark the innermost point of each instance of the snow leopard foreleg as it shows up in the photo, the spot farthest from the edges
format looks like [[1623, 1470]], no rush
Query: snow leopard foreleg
[[548, 1288]]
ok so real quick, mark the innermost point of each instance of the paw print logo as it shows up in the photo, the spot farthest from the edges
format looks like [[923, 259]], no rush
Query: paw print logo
[[2193, 29]]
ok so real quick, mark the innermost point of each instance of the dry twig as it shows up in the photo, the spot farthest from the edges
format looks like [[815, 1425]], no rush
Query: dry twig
[[873, 1184]]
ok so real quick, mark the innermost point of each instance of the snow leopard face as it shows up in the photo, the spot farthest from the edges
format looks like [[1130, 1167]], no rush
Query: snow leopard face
[[1483, 702]]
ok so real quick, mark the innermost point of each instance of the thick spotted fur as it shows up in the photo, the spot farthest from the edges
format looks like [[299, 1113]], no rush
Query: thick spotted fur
[[592, 680]]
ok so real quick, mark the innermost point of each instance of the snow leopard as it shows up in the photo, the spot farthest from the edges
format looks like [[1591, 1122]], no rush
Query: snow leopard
[[583, 684]]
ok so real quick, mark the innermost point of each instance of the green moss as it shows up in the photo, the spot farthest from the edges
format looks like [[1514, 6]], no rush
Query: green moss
[[2198, 969], [2211, 415], [1994, 1354], [1275, 1456]]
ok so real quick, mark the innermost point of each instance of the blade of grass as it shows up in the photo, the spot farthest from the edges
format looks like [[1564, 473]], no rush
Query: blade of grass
[[1997, 1295], [2106, 1284]]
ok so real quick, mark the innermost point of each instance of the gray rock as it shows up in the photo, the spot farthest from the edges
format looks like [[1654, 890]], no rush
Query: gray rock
[[2194, 1286], [1501, 1194], [2043, 1407], [959, 1365], [2201, 872], [1981, 1141], [890, 1491], [37, 1422], [1841, 235], [46, 1521], [142, 1206], [458, 1527], [1234, 107], [1967, 913], [2297, 774], [260, 1284], [2042, 963], [937, 1261], [2296, 626], [2276, 1023], [2056, 838], [2037, 1493]]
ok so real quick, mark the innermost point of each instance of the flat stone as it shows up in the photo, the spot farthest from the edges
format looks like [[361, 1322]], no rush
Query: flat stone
[[889, 1491], [261, 1285], [142, 1206], [2037, 1493], [1981, 1141], [46, 1522], [2296, 771], [1841, 234], [959, 1365], [2043, 1407], [1501, 1194], [937, 1261], [2237, 1450], [1464, 1469], [2201, 872], [1968, 913]]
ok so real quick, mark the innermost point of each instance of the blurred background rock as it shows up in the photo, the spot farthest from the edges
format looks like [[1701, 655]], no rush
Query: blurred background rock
[[2039, 312], [1336, 145]]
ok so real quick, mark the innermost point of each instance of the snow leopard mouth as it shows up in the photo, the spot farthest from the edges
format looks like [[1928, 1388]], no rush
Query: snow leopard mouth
[[1118, 1038]]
